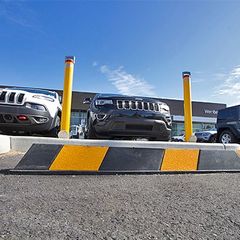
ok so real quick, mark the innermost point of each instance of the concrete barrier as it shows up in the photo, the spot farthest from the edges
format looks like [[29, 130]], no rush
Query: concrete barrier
[[4, 144]]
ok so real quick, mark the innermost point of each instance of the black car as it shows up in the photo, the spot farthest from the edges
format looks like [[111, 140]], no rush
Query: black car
[[125, 117], [228, 125]]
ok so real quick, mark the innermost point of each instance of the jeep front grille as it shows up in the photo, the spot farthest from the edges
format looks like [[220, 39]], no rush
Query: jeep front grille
[[3, 96], [11, 97], [20, 98], [138, 105]]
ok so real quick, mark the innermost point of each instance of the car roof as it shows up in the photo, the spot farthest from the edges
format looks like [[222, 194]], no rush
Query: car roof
[[226, 109]]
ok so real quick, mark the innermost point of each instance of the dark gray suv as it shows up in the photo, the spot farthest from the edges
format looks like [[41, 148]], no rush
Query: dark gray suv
[[228, 125], [125, 117]]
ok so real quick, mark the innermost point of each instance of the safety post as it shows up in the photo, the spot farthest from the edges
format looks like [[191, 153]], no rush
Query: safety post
[[187, 106], [67, 97]]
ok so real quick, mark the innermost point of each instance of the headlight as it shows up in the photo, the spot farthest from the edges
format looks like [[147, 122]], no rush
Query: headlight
[[164, 108], [35, 106], [44, 98], [101, 102]]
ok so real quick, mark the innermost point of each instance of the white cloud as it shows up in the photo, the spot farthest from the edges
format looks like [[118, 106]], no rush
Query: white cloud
[[127, 83], [230, 88]]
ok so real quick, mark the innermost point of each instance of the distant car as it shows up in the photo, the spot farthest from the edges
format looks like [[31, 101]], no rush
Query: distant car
[[180, 138], [207, 136], [228, 125], [75, 131], [28, 110], [127, 117]]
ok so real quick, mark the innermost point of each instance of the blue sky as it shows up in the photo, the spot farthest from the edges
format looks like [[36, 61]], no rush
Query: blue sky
[[129, 47]]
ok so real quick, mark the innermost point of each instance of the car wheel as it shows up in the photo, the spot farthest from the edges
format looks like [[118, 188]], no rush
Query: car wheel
[[84, 135], [227, 137], [91, 134], [54, 132]]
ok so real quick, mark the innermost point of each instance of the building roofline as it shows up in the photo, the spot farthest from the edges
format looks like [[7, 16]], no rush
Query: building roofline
[[168, 99]]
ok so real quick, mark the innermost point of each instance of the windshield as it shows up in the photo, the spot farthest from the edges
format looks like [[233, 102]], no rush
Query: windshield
[[37, 91]]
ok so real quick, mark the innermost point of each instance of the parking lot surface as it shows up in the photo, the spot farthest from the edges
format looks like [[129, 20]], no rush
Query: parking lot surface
[[188, 206]]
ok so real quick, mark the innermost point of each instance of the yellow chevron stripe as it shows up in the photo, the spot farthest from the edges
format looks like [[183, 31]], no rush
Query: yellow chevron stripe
[[81, 158], [180, 160], [238, 152]]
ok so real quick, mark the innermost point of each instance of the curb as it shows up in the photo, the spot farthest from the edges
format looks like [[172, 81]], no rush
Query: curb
[[5, 145], [23, 144]]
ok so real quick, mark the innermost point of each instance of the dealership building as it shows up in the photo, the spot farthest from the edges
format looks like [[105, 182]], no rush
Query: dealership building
[[204, 113]]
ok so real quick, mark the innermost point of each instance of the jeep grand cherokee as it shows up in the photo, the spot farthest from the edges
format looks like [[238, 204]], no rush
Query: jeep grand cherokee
[[117, 116]]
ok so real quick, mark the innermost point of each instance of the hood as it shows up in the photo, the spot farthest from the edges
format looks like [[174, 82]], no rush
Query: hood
[[129, 98]]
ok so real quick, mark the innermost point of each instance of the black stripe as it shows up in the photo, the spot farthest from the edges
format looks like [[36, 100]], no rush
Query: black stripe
[[130, 159], [218, 160], [39, 157]]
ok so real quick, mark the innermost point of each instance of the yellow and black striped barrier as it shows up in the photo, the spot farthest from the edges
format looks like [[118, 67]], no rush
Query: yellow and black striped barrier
[[102, 159]]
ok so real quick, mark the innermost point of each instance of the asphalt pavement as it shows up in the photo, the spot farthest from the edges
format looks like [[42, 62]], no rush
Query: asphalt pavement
[[188, 206]]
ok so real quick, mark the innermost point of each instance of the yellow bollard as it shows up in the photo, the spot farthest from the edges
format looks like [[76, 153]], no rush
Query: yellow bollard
[[67, 97], [187, 106]]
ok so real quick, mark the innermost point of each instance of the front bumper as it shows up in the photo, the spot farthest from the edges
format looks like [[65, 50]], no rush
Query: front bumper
[[9, 121], [203, 139], [125, 126]]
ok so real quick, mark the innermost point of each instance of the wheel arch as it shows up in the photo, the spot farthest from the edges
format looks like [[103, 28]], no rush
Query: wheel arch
[[228, 128], [220, 131]]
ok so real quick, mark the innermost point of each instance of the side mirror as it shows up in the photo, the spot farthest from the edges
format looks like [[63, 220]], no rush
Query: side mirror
[[87, 101]]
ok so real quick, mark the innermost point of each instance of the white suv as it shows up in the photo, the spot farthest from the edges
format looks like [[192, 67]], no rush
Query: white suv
[[30, 111]]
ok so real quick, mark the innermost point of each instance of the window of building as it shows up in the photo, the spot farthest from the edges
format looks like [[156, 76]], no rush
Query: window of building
[[178, 127], [78, 117]]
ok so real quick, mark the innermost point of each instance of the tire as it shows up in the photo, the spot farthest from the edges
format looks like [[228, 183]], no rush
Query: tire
[[84, 135], [227, 137], [90, 134], [152, 139], [54, 132], [159, 139]]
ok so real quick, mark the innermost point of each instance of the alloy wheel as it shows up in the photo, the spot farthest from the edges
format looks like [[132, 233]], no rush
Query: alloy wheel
[[226, 138]]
